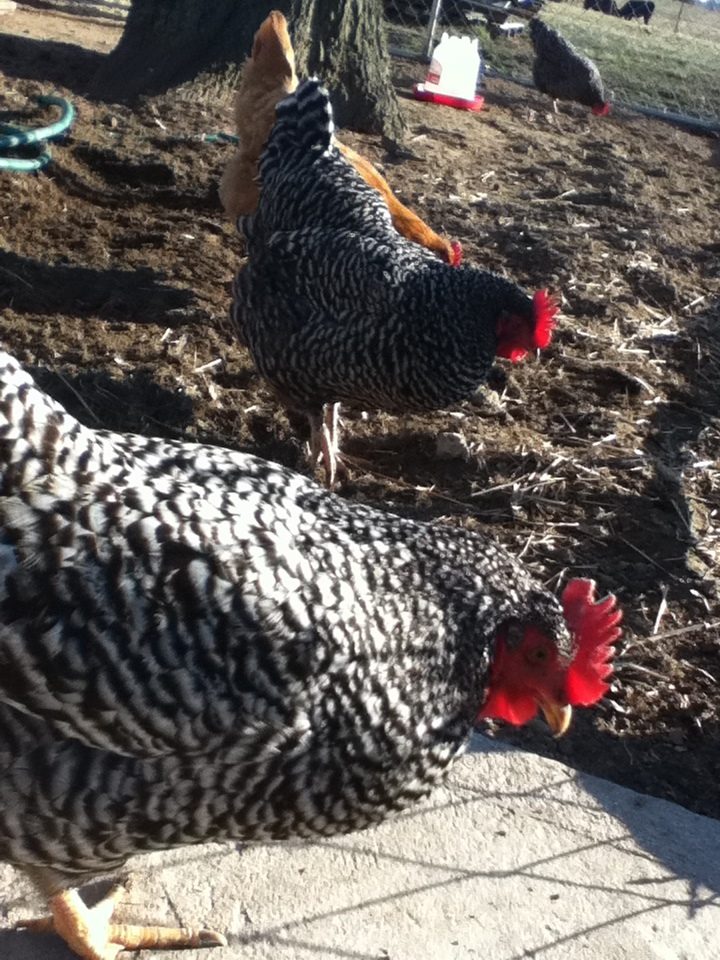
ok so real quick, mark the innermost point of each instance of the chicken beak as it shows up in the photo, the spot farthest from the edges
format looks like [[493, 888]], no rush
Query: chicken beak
[[557, 716]]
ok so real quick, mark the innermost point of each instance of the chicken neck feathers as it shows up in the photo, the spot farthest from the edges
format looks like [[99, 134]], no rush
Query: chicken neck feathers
[[334, 304]]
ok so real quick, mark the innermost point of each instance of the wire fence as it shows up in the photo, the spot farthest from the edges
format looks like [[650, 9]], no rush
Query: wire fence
[[114, 10], [659, 56]]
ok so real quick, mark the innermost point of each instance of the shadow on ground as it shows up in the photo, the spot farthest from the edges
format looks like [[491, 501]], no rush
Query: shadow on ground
[[135, 404], [49, 62], [29, 286]]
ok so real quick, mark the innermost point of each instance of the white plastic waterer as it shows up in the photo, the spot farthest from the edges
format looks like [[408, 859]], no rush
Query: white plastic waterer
[[454, 68]]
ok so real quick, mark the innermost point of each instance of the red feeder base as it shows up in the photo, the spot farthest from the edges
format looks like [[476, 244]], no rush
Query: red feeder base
[[420, 93]]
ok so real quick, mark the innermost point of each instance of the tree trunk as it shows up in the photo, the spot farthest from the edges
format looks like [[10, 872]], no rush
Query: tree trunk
[[200, 45], [168, 43], [345, 44]]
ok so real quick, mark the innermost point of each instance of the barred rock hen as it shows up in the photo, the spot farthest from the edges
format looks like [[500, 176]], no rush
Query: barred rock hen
[[268, 76], [196, 644], [564, 73], [335, 306]]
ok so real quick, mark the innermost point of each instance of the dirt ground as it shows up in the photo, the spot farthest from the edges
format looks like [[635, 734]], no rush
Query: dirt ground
[[598, 459]]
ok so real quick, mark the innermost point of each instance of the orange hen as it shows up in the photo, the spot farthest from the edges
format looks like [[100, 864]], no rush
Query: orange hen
[[268, 76]]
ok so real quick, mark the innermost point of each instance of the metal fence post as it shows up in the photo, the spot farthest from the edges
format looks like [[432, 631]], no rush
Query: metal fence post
[[677, 22], [432, 26]]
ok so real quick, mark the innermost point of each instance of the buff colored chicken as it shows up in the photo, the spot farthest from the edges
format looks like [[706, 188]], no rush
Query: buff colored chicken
[[268, 77]]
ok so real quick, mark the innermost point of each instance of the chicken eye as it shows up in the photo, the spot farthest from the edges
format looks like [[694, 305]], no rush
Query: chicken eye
[[538, 655]]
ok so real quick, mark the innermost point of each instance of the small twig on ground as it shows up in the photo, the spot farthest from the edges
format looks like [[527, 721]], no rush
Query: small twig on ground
[[562, 416], [679, 512], [624, 665], [210, 365], [15, 276], [648, 558], [78, 397], [559, 196], [693, 666], [525, 549], [428, 491], [694, 303], [499, 486], [661, 610], [559, 577], [703, 625]]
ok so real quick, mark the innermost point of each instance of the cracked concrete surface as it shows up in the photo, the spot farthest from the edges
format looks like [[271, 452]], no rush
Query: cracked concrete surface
[[519, 857]]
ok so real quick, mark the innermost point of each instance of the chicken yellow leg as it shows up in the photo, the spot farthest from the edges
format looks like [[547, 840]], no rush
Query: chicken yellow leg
[[325, 444], [89, 931]]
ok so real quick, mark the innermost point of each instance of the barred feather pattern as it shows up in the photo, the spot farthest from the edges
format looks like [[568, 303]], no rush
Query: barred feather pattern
[[561, 71], [197, 644], [334, 304]]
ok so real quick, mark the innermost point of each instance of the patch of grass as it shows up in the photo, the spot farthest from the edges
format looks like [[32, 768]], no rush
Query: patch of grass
[[407, 37], [672, 64], [652, 66]]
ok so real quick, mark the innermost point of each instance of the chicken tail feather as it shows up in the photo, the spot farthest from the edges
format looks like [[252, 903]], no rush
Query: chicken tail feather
[[31, 425], [303, 126]]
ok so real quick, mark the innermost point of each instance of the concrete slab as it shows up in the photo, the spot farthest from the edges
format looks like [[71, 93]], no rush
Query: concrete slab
[[518, 857]]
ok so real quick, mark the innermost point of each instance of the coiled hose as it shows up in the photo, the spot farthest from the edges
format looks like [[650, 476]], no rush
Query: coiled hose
[[13, 137]]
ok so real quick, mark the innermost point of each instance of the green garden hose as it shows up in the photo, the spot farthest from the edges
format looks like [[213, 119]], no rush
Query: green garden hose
[[13, 137], [25, 165], [220, 138]]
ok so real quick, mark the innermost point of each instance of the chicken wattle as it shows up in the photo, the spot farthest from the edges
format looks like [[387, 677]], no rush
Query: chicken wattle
[[335, 306], [196, 644]]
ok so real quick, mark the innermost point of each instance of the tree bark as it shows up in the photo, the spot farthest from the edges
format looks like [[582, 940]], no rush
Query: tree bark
[[344, 43], [200, 45], [168, 43]]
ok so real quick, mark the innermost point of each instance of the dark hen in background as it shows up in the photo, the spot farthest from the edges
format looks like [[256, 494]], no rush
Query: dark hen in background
[[564, 73], [196, 644], [336, 306]]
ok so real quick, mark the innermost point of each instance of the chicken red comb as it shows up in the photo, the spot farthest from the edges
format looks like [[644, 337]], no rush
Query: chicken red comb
[[594, 628], [602, 110], [457, 253], [544, 309]]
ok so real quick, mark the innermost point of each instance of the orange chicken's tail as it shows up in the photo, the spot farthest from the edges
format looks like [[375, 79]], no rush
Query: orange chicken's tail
[[268, 76]]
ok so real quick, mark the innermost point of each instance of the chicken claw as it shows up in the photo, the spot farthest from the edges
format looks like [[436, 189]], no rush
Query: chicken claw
[[89, 932], [325, 445]]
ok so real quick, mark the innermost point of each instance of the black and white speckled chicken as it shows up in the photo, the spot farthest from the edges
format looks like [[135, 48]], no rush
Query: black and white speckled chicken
[[336, 306], [564, 73], [196, 644]]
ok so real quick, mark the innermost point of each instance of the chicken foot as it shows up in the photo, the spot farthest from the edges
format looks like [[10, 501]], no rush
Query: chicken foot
[[89, 932], [324, 442]]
